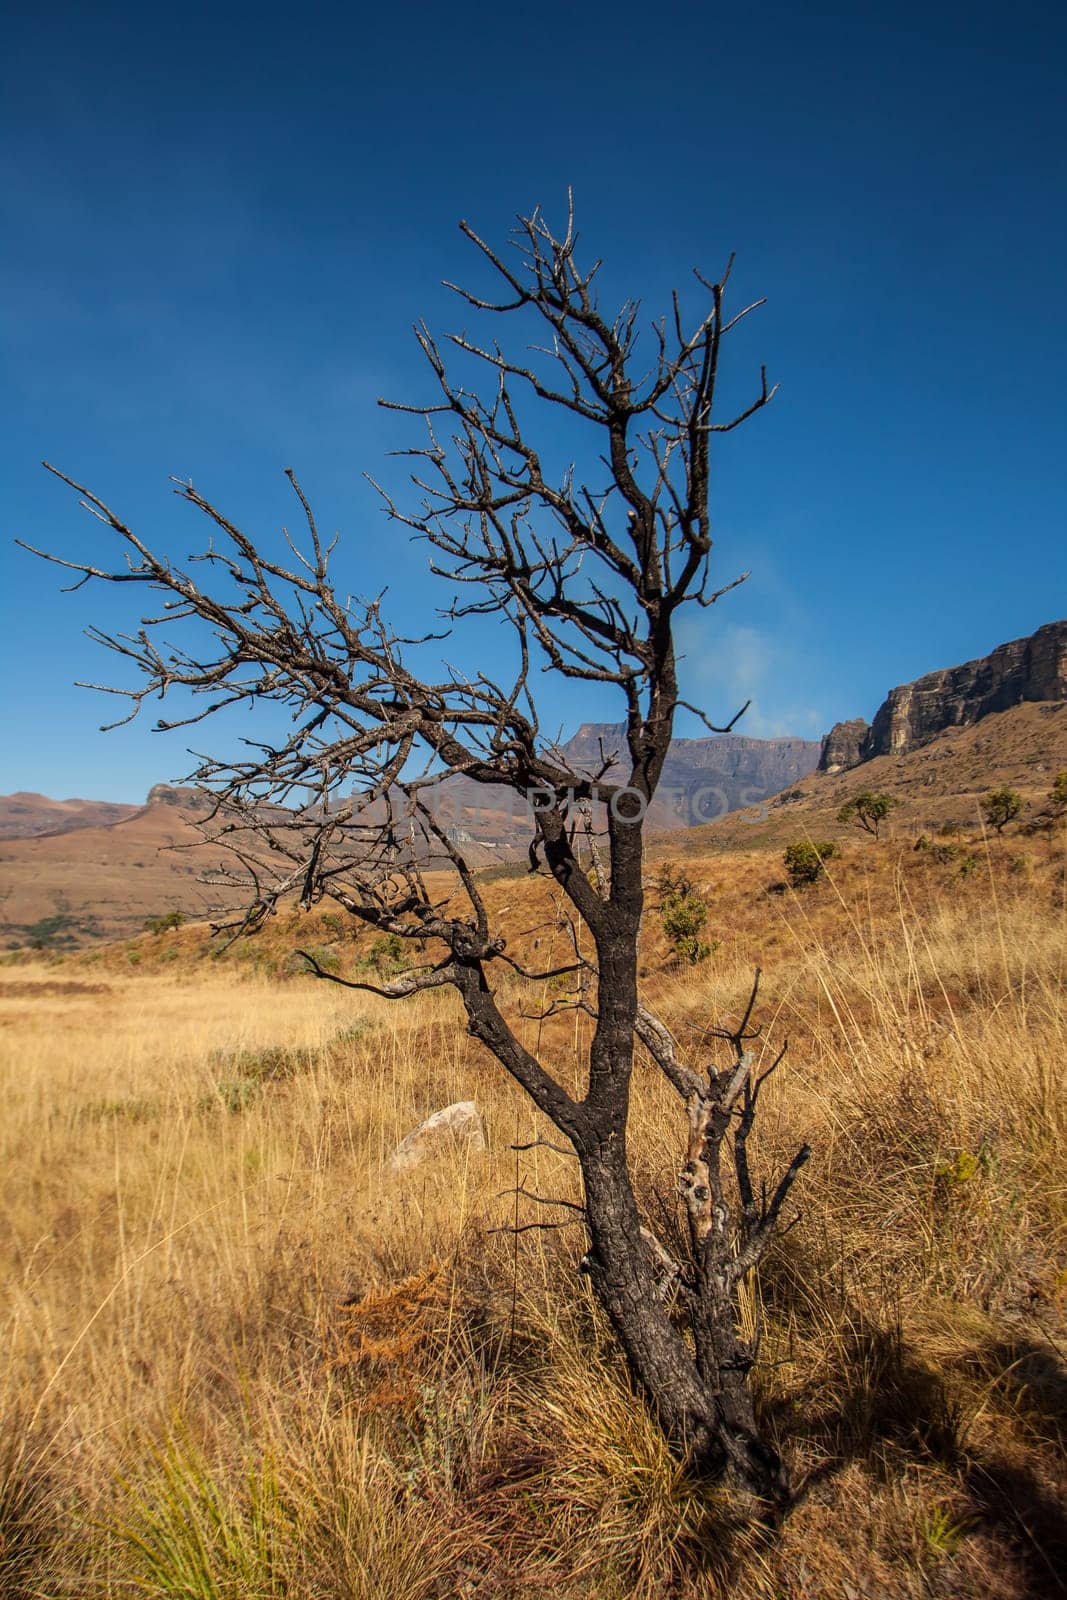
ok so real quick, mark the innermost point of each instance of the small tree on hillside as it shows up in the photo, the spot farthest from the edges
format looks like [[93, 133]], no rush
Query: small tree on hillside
[[868, 810], [590, 578], [1001, 806], [1058, 794]]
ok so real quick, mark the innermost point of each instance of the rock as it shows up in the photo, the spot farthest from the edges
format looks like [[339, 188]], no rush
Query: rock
[[915, 713], [461, 1123], [842, 745], [1025, 669], [183, 799]]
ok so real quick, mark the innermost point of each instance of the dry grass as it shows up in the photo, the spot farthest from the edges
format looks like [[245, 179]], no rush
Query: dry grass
[[195, 1158]]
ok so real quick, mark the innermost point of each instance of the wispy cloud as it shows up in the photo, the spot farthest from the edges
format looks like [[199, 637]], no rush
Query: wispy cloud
[[725, 664]]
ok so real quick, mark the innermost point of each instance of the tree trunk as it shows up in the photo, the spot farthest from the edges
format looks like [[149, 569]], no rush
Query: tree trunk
[[621, 1273], [708, 1416]]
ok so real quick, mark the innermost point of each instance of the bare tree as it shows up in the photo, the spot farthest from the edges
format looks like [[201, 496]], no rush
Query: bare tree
[[590, 580]]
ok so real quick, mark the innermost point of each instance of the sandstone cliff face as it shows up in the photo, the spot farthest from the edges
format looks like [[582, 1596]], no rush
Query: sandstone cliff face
[[183, 799], [842, 745], [914, 713]]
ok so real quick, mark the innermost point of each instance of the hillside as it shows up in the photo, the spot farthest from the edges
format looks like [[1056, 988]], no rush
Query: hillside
[[940, 783], [25, 815], [84, 873], [102, 880], [103, 870], [702, 778]]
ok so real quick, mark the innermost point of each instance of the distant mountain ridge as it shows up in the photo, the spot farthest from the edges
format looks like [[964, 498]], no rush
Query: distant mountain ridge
[[102, 869], [913, 714], [703, 778], [32, 816]]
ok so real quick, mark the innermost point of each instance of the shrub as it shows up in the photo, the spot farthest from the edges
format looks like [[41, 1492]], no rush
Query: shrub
[[1058, 794], [868, 810], [318, 956], [684, 914], [804, 860], [1001, 806], [53, 932], [386, 953], [945, 854], [172, 919], [234, 1095], [268, 1064]]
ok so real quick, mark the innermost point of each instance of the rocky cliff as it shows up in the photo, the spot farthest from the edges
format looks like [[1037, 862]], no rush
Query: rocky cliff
[[1034, 668], [842, 745], [703, 778], [182, 799]]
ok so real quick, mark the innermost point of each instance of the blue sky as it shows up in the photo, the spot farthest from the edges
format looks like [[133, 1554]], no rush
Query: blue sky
[[220, 223]]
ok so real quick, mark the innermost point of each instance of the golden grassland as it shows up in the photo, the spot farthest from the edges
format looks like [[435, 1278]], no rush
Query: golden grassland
[[244, 1359]]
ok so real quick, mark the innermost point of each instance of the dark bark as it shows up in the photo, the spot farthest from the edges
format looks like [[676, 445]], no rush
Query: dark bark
[[620, 1270], [703, 1402]]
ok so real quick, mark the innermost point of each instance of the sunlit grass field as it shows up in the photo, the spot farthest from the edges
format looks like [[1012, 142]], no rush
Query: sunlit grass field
[[245, 1358]]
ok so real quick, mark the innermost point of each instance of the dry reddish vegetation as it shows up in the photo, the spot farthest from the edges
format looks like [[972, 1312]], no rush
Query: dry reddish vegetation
[[246, 1361]]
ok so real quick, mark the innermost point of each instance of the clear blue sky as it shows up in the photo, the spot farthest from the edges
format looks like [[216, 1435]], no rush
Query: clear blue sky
[[218, 224]]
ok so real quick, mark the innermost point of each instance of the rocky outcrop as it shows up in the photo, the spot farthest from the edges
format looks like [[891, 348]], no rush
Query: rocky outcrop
[[913, 714], [165, 794], [842, 745], [702, 779]]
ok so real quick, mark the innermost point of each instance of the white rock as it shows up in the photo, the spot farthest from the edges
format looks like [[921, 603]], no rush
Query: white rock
[[461, 1122]]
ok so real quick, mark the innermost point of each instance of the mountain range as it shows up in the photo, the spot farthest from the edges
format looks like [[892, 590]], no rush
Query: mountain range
[[74, 871]]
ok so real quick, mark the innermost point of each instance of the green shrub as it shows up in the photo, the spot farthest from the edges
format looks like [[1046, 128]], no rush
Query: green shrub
[[386, 954], [1058, 793], [804, 860], [271, 1064], [51, 933], [134, 1110], [172, 919], [234, 1096], [317, 955], [354, 1031], [945, 854], [684, 913]]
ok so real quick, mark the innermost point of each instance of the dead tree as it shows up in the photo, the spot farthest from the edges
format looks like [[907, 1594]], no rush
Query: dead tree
[[589, 579]]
